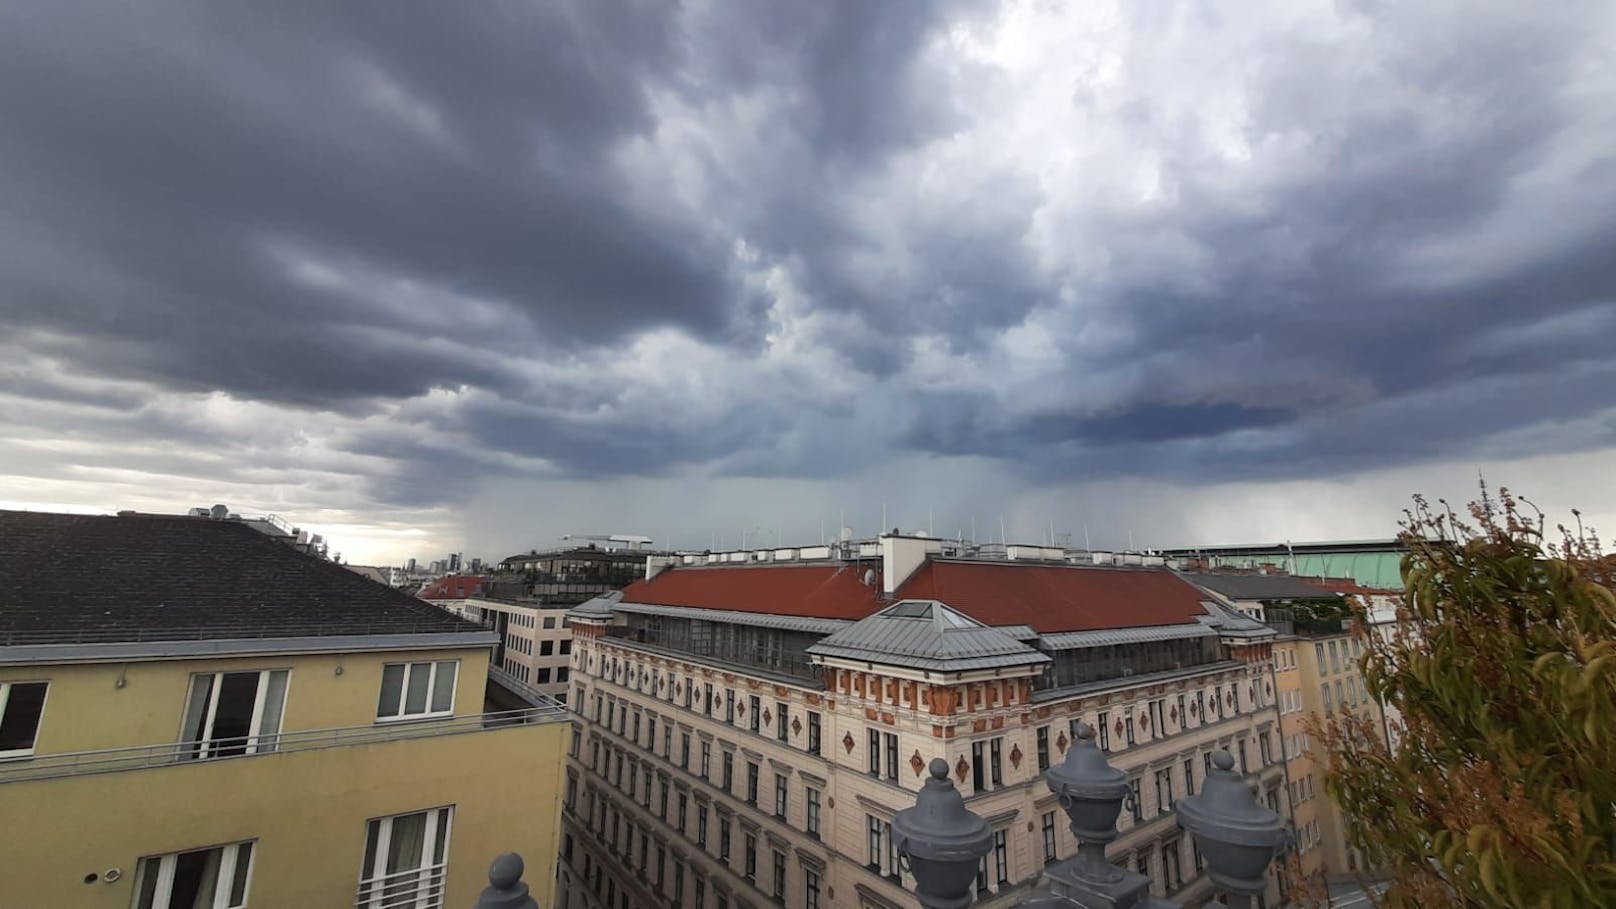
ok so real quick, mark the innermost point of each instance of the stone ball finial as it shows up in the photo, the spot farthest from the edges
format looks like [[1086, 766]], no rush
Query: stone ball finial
[[1222, 760], [938, 768], [506, 871], [1084, 731]]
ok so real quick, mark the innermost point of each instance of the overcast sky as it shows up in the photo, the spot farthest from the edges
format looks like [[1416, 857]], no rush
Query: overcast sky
[[436, 276]]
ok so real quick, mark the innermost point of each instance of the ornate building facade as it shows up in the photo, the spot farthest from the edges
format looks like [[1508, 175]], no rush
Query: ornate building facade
[[747, 727]]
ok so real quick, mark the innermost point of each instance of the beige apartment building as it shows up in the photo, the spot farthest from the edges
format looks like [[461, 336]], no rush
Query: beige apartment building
[[535, 640], [748, 724], [1315, 673]]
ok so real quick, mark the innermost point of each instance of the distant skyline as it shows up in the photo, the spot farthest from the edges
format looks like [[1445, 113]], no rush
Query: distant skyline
[[448, 280]]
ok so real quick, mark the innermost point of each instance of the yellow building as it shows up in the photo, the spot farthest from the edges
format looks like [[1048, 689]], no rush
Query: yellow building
[[192, 715]]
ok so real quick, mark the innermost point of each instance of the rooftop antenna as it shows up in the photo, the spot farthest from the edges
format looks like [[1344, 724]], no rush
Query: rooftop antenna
[[883, 517], [1004, 540], [973, 528], [1052, 533], [1130, 539], [1086, 546], [930, 513], [821, 531]]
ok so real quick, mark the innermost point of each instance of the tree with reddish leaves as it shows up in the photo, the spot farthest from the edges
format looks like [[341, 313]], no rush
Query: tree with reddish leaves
[[1502, 789]]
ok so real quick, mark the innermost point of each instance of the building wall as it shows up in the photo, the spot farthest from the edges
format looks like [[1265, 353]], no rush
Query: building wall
[[86, 707], [643, 682], [306, 809], [1329, 661], [529, 630]]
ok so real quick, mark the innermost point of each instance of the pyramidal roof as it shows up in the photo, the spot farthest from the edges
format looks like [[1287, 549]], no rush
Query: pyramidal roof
[[927, 634]]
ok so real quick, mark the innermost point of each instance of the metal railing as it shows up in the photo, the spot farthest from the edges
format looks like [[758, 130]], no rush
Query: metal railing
[[111, 760], [417, 888], [120, 635]]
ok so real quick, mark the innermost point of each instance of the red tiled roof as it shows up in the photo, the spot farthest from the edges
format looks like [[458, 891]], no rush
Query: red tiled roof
[[454, 587], [1049, 598], [1054, 598], [1349, 585], [818, 591]]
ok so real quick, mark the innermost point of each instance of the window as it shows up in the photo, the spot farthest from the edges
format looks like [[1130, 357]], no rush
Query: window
[[684, 750], [214, 878], [782, 729], [1103, 731], [1324, 692], [1318, 653], [1335, 658], [813, 732], [723, 838], [650, 736], [634, 736], [1043, 747], [706, 760], [21, 706], [544, 674], [751, 857], [1265, 748], [678, 882], [995, 753], [546, 648], [729, 705], [756, 716], [707, 692], [810, 889], [549, 621], [978, 768], [1049, 837], [891, 742], [679, 818], [1183, 715], [1136, 806], [701, 825], [727, 781], [779, 795], [1164, 791], [1001, 857], [667, 745], [405, 857], [1189, 776], [1172, 875], [701, 893], [875, 752], [418, 689], [233, 713], [566, 647], [1158, 718], [779, 876], [751, 783], [812, 797]]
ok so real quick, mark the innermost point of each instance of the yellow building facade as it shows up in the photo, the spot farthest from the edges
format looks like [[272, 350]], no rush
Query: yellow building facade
[[113, 789], [193, 716]]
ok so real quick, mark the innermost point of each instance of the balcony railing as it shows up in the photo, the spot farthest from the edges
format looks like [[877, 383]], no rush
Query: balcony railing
[[110, 760], [417, 888]]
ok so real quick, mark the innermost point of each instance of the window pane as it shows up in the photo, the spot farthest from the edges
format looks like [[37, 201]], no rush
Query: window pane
[[21, 721], [232, 715], [274, 700], [404, 851], [196, 711], [238, 890], [196, 876], [420, 678], [392, 688], [443, 688], [146, 884]]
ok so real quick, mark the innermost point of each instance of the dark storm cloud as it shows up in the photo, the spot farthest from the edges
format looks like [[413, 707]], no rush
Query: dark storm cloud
[[154, 154], [436, 238]]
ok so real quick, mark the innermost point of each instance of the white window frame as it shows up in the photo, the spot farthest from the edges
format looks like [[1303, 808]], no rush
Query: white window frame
[[166, 863], [5, 697], [258, 741], [439, 824], [431, 689]]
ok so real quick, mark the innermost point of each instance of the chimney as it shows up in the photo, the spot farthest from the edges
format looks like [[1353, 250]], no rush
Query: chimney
[[655, 565], [901, 556]]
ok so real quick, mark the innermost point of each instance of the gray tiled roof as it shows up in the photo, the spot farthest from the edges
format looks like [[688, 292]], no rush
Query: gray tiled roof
[[926, 634], [71, 578], [1072, 640], [1257, 586]]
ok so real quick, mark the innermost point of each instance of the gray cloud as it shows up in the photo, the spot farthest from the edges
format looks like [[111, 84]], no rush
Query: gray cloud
[[588, 241]]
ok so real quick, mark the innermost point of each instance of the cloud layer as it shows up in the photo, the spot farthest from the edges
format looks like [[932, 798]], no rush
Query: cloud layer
[[374, 266]]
